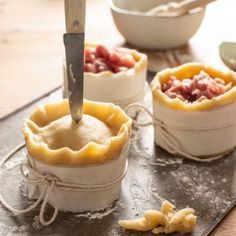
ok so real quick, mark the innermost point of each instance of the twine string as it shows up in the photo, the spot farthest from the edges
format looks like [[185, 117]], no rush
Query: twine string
[[172, 145], [123, 103], [11, 153], [49, 183], [32, 177], [135, 98]]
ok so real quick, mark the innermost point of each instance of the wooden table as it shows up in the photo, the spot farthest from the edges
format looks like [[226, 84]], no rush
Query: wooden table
[[31, 51]]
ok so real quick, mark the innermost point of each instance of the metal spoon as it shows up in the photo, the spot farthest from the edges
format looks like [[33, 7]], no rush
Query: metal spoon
[[178, 8], [227, 52]]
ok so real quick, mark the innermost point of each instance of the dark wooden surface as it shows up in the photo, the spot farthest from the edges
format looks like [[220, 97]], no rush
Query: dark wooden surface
[[153, 175]]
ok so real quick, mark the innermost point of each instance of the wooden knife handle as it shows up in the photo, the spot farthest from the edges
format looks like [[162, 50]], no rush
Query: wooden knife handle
[[75, 16]]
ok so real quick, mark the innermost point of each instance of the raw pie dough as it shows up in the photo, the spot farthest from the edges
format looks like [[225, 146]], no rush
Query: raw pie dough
[[189, 70], [64, 132], [53, 137], [165, 221]]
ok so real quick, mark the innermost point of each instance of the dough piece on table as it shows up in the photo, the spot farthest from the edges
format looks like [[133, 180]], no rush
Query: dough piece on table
[[165, 221], [150, 220]]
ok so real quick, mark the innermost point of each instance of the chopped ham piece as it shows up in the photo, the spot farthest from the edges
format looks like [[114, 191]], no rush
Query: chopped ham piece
[[195, 89], [103, 59]]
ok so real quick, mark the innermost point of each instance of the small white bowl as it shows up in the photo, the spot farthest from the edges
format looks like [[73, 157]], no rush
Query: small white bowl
[[153, 32]]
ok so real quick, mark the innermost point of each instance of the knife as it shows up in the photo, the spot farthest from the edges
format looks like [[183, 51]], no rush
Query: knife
[[74, 49]]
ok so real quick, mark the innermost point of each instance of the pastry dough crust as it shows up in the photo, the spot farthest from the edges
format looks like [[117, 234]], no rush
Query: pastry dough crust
[[52, 137], [189, 70], [64, 132]]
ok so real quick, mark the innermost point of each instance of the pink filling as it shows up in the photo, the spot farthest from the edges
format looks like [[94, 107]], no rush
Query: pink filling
[[103, 59], [195, 89]]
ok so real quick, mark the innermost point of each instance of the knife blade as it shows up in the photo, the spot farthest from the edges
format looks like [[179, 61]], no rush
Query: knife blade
[[74, 49]]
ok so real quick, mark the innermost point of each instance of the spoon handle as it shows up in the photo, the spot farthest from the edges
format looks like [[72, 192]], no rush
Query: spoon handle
[[178, 8], [187, 5]]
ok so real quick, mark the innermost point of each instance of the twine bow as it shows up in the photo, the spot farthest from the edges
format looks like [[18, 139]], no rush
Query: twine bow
[[49, 182], [33, 177]]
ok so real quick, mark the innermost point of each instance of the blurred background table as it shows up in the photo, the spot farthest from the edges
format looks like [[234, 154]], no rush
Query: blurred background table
[[31, 51]]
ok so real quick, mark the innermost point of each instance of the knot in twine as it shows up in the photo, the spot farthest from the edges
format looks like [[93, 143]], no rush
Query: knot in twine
[[48, 183], [37, 179], [172, 144]]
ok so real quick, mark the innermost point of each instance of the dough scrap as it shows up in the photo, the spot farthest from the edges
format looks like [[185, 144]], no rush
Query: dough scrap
[[165, 221]]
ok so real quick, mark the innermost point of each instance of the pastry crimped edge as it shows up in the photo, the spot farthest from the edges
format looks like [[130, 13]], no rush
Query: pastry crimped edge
[[92, 153], [140, 63], [186, 71]]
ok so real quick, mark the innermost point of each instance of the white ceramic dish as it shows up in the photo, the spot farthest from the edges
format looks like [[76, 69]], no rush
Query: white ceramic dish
[[120, 88], [153, 32], [96, 198]]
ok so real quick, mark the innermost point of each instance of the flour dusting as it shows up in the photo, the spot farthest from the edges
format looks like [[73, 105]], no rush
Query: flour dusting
[[201, 185], [99, 214], [10, 230]]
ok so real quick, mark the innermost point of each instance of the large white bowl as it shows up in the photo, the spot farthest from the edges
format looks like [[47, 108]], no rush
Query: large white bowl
[[153, 32]]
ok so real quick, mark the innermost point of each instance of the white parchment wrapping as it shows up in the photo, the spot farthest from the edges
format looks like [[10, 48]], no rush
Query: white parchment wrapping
[[218, 137], [82, 200]]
